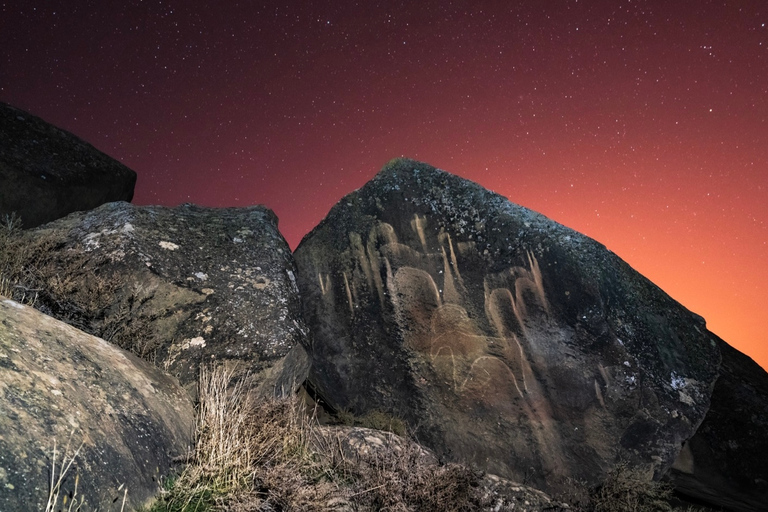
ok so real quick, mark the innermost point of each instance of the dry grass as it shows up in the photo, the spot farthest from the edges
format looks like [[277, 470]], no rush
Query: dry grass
[[68, 503], [631, 490], [402, 480], [266, 454], [247, 450]]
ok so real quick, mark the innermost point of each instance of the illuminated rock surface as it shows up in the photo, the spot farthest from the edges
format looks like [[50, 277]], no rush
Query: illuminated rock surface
[[58, 383], [178, 286], [503, 339]]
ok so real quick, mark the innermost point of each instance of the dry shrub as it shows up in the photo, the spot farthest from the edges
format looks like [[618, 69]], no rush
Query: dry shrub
[[265, 454], [403, 480], [250, 453], [631, 490]]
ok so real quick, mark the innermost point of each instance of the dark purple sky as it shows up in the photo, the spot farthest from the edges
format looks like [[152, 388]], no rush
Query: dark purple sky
[[640, 123]]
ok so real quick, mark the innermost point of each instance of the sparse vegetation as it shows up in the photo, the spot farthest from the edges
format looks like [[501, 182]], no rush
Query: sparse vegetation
[[631, 490], [266, 454], [253, 454], [68, 502], [74, 286], [625, 489]]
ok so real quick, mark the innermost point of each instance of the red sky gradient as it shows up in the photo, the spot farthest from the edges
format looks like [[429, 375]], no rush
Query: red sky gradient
[[643, 124]]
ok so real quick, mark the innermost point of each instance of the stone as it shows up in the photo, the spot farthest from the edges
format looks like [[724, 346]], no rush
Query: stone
[[726, 462], [503, 339], [180, 287], [47, 173], [60, 384]]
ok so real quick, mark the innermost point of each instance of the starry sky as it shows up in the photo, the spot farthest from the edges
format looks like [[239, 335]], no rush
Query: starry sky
[[641, 123]]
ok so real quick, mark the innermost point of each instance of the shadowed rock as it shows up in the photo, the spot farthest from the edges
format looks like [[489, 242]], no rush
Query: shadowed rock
[[504, 339], [726, 462], [60, 384], [177, 286], [46, 172]]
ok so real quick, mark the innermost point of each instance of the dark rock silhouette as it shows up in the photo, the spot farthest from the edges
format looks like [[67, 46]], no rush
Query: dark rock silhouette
[[504, 339], [726, 462], [178, 286], [58, 383], [46, 172]]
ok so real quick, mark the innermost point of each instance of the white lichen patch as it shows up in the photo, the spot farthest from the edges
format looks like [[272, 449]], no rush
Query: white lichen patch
[[293, 280], [91, 241], [687, 389], [194, 342], [168, 246], [201, 276], [677, 382]]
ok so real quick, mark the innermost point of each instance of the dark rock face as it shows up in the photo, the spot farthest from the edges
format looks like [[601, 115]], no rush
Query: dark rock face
[[504, 339], [46, 173], [726, 462], [178, 286], [58, 383]]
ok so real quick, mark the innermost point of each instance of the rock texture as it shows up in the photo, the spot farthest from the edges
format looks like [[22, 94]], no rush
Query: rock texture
[[58, 383], [177, 286], [726, 462], [46, 172], [504, 339]]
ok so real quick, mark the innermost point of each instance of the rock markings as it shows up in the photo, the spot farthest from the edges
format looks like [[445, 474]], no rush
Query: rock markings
[[504, 339]]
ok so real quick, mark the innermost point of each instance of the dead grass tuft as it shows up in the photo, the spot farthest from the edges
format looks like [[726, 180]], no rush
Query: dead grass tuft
[[266, 454], [402, 480], [69, 502]]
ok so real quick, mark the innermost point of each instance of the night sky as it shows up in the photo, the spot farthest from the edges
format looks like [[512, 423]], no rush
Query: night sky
[[642, 124]]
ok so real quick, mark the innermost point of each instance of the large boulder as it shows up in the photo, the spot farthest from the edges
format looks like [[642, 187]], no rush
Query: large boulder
[[726, 462], [502, 338], [60, 385], [46, 172], [177, 286]]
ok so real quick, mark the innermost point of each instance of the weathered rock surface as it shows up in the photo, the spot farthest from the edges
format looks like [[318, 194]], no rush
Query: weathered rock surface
[[178, 286], [504, 339], [58, 383], [46, 172], [726, 462]]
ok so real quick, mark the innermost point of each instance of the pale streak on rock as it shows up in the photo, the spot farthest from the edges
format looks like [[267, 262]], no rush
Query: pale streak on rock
[[417, 224], [349, 295]]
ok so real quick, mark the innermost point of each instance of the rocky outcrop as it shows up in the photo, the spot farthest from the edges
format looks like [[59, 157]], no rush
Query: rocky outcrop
[[58, 384], [46, 172], [176, 286], [726, 462], [502, 338]]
